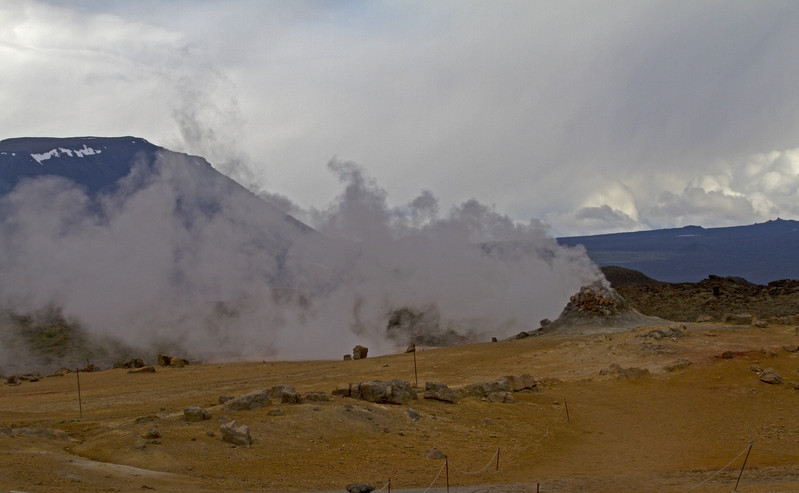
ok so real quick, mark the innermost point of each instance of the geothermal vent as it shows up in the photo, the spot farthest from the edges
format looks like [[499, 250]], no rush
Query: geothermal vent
[[597, 308]]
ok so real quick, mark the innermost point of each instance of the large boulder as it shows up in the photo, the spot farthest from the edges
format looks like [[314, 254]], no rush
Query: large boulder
[[359, 352], [236, 434], [253, 400], [360, 488]]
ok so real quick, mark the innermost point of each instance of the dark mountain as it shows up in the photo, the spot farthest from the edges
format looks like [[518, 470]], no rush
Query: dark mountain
[[759, 252]]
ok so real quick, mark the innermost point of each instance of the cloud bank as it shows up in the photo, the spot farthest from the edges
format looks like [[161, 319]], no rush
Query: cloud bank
[[537, 107]]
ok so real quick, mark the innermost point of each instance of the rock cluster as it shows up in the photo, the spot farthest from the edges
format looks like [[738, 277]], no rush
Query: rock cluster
[[598, 299], [285, 394], [400, 392], [393, 391]]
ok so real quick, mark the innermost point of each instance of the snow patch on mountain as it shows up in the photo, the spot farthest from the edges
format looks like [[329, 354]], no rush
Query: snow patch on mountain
[[85, 151]]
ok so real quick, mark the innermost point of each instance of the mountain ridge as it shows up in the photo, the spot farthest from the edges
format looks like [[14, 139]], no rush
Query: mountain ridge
[[760, 252]]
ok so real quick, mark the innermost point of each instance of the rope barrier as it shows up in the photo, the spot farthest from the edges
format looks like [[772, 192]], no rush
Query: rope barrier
[[436, 479], [490, 461], [543, 437], [722, 469]]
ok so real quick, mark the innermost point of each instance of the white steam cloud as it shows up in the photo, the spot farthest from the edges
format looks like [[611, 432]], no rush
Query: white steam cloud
[[173, 261]]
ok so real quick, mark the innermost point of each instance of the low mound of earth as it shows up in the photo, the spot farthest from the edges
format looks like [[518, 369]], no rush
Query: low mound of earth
[[658, 408], [713, 299], [598, 309]]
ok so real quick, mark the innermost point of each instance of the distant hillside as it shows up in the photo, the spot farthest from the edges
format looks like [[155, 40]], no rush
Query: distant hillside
[[759, 253]]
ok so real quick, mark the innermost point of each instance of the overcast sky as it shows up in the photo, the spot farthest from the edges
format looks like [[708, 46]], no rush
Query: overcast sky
[[592, 116]]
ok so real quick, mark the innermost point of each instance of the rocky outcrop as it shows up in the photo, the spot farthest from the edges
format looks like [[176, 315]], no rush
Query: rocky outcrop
[[631, 373]]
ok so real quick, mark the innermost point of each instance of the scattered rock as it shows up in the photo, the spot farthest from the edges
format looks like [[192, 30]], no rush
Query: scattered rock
[[195, 413], [493, 339], [236, 434], [146, 419], [224, 398], [440, 392], [360, 488], [314, 396], [792, 348], [770, 376], [133, 363], [140, 443], [545, 322], [343, 390], [631, 373], [522, 335], [517, 383], [173, 361], [151, 434], [503, 397], [485, 388], [61, 372], [434, 453], [769, 352], [793, 385], [359, 352], [755, 368], [253, 400], [178, 362], [678, 365], [285, 393], [347, 357], [413, 414], [144, 369], [738, 319], [727, 354], [274, 412], [393, 391], [411, 348]]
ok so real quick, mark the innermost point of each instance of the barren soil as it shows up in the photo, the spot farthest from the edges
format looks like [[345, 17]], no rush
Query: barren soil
[[669, 431]]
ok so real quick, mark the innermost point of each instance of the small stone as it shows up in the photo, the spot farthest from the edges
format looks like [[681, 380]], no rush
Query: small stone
[[413, 414], [151, 434], [770, 376], [727, 354], [140, 444], [274, 412], [347, 357], [434, 453]]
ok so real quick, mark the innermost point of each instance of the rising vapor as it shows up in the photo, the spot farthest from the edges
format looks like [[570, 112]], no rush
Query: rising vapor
[[177, 257]]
